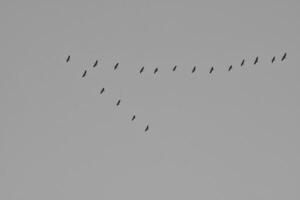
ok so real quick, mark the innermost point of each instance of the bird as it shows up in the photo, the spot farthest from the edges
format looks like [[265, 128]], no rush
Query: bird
[[283, 57], [230, 67], [273, 59], [118, 103], [174, 68], [256, 60], [211, 70], [116, 66], [84, 74], [155, 71], [68, 58], [102, 90], [141, 70], [147, 128], [243, 62], [194, 69], [95, 64], [133, 117]]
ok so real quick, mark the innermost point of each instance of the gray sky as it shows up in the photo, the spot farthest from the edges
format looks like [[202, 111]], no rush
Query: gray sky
[[229, 135]]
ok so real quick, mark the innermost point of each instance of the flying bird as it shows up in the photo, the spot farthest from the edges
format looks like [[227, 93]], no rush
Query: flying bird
[[256, 60], [118, 103], [194, 69], [95, 64], [211, 70], [243, 62], [68, 58], [147, 128], [174, 68], [102, 90], [230, 67], [84, 74], [283, 57], [273, 59], [155, 71], [133, 118], [116, 66], [141, 70]]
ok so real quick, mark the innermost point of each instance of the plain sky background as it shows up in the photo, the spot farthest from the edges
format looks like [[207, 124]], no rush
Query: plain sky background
[[225, 136]]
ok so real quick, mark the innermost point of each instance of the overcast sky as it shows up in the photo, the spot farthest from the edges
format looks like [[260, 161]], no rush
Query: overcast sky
[[221, 136]]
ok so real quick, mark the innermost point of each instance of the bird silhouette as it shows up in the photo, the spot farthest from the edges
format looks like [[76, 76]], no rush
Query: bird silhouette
[[116, 66], [273, 59], [118, 103], [141, 70], [211, 70], [256, 60], [156, 70], [102, 90], [84, 74], [243, 62], [194, 69], [95, 64], [230, 67], [174, 68], [147, 128], [133, 118], [68, 58], [283, 57]]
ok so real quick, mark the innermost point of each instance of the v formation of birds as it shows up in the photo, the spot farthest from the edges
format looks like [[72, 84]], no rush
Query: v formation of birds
[[211, 70]]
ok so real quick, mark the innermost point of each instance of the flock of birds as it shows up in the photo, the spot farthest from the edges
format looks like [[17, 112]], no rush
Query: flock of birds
[[211, 70]]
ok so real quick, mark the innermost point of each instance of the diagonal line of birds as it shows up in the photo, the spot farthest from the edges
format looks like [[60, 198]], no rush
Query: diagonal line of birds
[[173, 69]]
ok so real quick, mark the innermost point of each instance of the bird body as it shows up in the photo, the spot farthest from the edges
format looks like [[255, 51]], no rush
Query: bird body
[[147, 128], [116, 66], [133, 118], [156, 70], [102, 90], [84, 74], [68, 58], [194, 69], [211, 70], [118, 103], [95, 64], [230, 67], [256, 60], [243, 62], [273, 59], [174, 68], [141, 70], [283, 57]]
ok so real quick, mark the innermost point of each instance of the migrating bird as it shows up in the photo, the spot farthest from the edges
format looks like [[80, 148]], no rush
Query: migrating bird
[[102, 90], [116, 66], [141, 70], [211, 70], [95, 64], [118, 103], [273, 59], [283, 57], [194, 69], [133, 117], [243, 62], [174, 68], [230, 67], [256, 60], [147, 128], [68, 58], [156, 69], [84, 74]]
